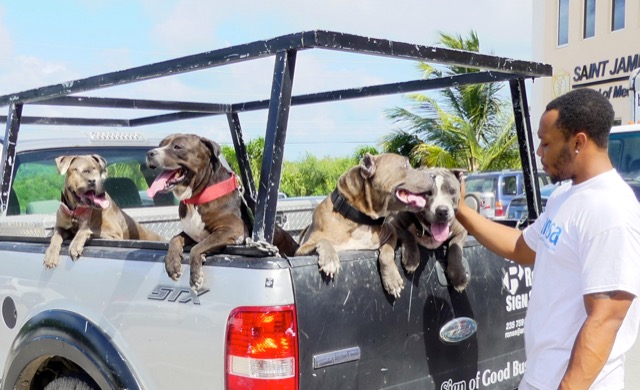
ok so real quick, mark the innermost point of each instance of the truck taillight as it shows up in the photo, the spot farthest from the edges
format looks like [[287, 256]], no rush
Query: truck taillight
[[262, 348], [499, 209]]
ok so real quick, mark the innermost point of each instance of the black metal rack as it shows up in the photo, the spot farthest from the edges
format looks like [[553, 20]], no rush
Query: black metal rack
[[284, 49]]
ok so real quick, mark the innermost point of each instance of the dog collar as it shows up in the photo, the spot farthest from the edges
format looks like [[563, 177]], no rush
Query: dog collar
[[421, 231], [343, 207], [78, 212], [214, 191]]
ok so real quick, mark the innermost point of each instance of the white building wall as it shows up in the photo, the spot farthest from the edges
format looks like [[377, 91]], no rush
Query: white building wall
[[603, 62]]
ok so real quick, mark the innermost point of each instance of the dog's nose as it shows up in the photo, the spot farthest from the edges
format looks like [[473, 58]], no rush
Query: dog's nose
[[151, 158], [91, 182], [442, 212]]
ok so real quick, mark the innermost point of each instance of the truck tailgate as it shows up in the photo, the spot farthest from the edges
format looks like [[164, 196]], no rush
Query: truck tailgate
[[354, 336]]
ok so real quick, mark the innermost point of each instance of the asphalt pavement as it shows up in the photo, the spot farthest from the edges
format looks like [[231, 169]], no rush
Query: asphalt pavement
[[631, 365]]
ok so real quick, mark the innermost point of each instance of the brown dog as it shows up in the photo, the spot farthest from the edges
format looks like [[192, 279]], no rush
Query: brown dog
[[353, 217], [436, 226], [86, 210], [210, 207]]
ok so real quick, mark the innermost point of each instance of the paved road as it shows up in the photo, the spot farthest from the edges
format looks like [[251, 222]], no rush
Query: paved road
[[631, 365]]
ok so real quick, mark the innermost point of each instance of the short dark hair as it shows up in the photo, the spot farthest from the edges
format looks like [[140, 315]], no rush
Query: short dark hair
[[585, 110]]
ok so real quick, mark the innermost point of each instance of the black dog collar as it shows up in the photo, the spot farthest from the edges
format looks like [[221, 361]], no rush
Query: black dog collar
[[343, 207]]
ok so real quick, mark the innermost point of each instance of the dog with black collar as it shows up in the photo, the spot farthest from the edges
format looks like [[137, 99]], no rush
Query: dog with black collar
[[354, 216]]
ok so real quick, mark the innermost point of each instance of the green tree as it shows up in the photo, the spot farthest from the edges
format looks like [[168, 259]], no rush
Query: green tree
[[362, 150], [467, 126], [313, 175], [308, 176], [255, 149]]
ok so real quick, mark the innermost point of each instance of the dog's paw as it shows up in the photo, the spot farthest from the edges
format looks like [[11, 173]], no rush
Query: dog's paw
[[51, 258], [410, 259], [75, 250], [173, 266], [393, 283], [458, 278], [196, 281], [410, 255], [329, 264]]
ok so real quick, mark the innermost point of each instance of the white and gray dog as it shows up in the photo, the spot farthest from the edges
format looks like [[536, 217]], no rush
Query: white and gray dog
[[436, 226]]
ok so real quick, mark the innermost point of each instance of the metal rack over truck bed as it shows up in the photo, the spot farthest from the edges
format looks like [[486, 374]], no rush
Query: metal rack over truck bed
[[285, 49]]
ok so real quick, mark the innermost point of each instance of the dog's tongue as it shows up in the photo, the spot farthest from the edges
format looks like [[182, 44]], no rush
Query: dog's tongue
[[440, 231], [99, 200], [159, 183], [416, 200]]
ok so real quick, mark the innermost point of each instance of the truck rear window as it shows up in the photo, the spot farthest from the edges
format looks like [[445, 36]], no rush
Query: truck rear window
[[37, 184]]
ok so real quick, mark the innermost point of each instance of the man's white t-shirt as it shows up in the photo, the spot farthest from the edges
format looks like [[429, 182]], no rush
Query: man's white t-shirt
[[586, 241]]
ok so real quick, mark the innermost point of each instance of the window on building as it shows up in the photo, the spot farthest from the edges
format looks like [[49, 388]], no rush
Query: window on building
[[617, 16], [589, 18], [563, 22]]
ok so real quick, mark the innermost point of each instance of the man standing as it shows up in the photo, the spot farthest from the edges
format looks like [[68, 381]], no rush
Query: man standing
[[582, 315]]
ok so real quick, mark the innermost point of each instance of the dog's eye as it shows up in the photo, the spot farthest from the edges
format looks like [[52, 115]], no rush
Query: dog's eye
[[452, 191], [177, 147]]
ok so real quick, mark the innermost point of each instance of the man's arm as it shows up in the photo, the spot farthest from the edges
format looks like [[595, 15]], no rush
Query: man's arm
[[605, 313], [503, 240]]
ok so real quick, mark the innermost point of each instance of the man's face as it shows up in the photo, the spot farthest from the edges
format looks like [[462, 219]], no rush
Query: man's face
[[557, 153]]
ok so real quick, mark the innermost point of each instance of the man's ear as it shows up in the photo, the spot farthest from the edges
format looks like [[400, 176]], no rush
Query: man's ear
[[368, 166], [581, 140], [63, 163]]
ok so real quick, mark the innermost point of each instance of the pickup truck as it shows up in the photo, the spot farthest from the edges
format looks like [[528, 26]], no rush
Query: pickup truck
[[114, 320]]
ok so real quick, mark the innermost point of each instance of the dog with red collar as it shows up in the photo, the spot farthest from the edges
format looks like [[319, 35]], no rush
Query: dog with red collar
[[210, 209], [87, 211]]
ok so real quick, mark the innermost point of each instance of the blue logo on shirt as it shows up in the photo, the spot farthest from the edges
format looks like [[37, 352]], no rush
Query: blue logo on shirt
[[551, 233]]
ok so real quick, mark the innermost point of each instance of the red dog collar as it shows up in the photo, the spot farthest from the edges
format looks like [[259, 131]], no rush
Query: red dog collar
[[214, 191], [78, 212]]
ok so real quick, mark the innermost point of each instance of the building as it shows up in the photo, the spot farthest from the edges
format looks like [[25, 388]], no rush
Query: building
[[590, 44]]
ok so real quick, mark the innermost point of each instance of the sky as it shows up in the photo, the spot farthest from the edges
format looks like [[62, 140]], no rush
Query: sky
[[50, 42]]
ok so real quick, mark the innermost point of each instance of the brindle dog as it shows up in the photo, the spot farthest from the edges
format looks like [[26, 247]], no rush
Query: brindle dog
[[353, 217], [210, 207], [86, 210]]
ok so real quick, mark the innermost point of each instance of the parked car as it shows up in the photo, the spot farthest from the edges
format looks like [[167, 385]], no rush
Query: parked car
[[517, 209], [493, 191]]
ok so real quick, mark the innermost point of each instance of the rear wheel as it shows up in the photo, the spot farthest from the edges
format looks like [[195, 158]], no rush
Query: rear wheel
[[69, 383], [473, 200]]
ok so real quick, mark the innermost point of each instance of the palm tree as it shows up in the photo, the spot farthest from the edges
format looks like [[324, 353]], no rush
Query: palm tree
[[469, 126]]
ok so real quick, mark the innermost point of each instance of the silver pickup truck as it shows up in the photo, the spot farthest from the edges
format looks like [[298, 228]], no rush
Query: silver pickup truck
[[114, 320]]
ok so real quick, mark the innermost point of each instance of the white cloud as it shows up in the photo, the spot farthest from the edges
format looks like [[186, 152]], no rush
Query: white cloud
[[188, 24], [184, 27]]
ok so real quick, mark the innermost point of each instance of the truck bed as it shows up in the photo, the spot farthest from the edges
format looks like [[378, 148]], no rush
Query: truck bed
[[352, 335]]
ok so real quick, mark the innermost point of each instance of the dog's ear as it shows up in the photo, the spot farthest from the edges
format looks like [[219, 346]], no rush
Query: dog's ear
[[63, 163], [213, 147], [367, 166], [100, 160], [459, 173]]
